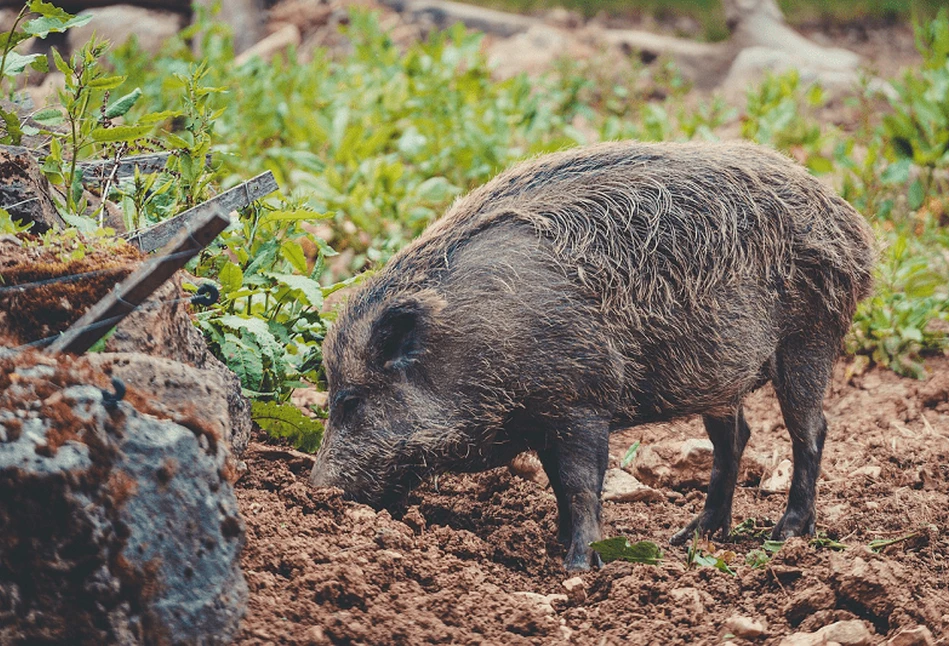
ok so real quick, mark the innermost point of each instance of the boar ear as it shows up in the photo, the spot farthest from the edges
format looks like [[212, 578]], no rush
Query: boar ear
[[397, 334]]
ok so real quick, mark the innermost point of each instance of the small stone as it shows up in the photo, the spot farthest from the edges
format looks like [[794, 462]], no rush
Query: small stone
[[361, 514], [619, 486], [847, 633], [808, 600], [780, 480], [541, 600], [918, 636], [556, 599], [744, 627], [576, 589], [871, 472], [690, 599], [314, 635], [804, 639]]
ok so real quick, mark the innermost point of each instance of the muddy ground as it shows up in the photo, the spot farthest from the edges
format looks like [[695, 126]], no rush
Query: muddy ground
[[474, 560]]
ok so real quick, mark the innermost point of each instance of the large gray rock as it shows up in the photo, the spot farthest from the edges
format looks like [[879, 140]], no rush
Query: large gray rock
[[120, 22], [115, 527], [162, 327], [176, 389]]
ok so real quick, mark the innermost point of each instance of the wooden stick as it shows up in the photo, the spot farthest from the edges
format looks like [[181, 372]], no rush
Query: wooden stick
[[105, 314], [125, 167], [238, 197]]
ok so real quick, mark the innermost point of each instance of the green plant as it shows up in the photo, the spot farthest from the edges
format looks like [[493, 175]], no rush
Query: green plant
[[287, 422], [821, 539], [49, 19], [89, 120], [620, 549], [894, 326], [760, 557], [701, 553], [9, 226], [918, 126], [779, 113], [267, 323]]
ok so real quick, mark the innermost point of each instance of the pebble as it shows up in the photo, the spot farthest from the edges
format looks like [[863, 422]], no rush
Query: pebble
[[619, 486], [745, 627], [576, 589], [918, 636], [780, 480]]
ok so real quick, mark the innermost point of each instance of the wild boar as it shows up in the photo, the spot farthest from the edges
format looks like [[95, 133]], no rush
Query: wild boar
[[592, 290]]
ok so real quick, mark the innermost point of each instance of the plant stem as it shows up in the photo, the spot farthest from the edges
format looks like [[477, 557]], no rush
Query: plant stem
[[9, 47]]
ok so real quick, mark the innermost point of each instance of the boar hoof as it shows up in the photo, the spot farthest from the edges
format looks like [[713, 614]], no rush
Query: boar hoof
[[707, 524], [793, 524], [582, 560]]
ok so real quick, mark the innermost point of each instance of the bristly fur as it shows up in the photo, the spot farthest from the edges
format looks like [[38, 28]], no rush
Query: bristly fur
[[648, 226]]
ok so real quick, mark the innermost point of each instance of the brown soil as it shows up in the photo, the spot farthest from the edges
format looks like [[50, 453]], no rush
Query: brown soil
[[456, 568], [45, 288]]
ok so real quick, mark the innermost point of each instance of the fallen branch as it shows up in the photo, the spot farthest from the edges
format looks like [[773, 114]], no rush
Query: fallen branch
[[133, 291], [236, 198]]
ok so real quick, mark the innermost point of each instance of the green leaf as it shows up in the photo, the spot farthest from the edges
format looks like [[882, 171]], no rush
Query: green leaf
[[288, 422], [10, 226], [106, 82], [123, 105], [9, 40], [120, 133], [243, 360], [81, 224], [897, 172], [311, 290], [231, 277], [293, 253], [706, 560], [916, 195], [630, 455], [75, 191], [12, 124], [296, 215], [819, 165], [326, 250], [772, 546], [153, 118], [16, 63], [619, 548], [41, 64], [49, 117], [61, 65], [757, 558], [52, 19], [256, 328]]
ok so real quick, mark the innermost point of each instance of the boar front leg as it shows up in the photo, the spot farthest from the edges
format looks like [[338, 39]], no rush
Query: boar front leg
[[575, 460]]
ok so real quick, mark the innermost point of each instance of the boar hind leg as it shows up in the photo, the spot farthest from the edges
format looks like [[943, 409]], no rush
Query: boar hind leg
[[575, 460], [729, 435], [803, 371]]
